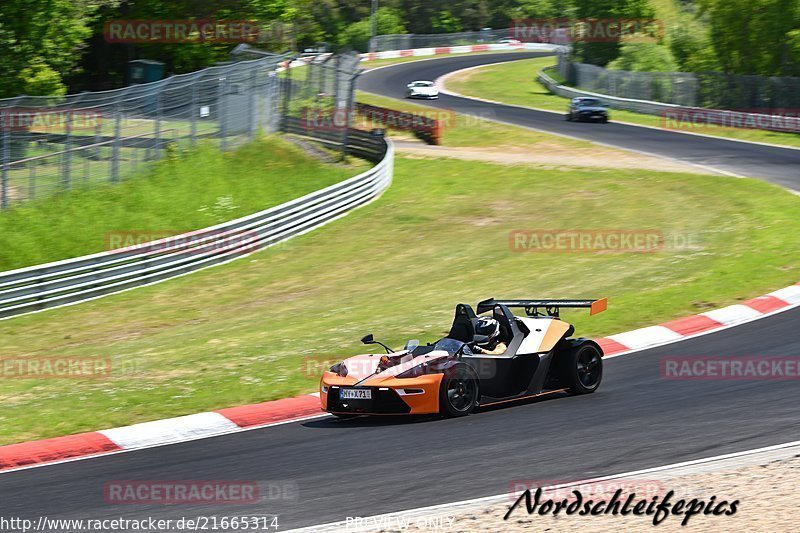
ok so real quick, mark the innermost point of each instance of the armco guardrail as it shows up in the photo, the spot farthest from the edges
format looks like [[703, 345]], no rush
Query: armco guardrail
[[75, 280], [676, 114], [426, 128]]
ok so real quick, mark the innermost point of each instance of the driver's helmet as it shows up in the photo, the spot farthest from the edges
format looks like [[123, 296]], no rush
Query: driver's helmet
[[488, 327]]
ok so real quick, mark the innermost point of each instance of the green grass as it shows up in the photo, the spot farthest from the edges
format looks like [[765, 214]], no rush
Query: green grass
[[189, 190], [475, 131], [383, 62], [516, 83], [244, 332]]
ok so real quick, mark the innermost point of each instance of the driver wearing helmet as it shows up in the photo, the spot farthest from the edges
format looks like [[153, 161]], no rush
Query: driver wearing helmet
[[489, 328]]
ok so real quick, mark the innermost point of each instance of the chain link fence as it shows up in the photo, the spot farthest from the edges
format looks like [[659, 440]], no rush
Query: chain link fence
[[51, 144], [319, 97], [703, 89]]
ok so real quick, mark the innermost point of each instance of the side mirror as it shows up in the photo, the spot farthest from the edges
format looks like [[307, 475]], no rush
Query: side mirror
[[368, 339]]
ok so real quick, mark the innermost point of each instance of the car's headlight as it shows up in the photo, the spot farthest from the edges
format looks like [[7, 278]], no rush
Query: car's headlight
[[340, 369]]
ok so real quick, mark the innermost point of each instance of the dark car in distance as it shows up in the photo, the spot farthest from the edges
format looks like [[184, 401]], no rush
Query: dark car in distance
[[586, 108]]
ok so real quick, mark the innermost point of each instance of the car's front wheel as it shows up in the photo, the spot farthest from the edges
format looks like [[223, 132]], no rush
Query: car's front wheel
[[582, 368], [458, 392]]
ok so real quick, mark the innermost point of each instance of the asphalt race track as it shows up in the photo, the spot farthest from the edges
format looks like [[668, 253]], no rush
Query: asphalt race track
[[369, 466], [363, 467], [780, 165]]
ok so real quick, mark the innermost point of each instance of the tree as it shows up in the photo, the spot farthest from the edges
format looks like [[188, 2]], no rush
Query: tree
[[644, 57], [602, 53], [754, 36], [356, 35], [446, 22], [691, 46], [41, 43]]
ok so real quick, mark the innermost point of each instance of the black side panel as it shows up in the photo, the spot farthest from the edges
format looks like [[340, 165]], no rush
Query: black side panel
[[538, 381], [503, 377]]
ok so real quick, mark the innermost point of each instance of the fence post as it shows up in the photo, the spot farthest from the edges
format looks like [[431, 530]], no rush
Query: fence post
[[253, 103], [6, 158], [32, 180], [351, 91], [67, 157], [157, 131], [222, 86], [117, 135], [286, 94], [194, 109], [98, 138]]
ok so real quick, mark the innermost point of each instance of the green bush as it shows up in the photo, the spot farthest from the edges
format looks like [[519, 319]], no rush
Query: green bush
[[356, 35]]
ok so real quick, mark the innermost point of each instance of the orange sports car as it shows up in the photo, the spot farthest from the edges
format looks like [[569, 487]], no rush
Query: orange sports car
[[451, 377]]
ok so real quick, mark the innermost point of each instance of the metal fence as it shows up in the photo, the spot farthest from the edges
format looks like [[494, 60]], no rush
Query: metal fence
[[320, 93], [702, 89], [680, 117], [41, 287], [50, 144], [381, 43]]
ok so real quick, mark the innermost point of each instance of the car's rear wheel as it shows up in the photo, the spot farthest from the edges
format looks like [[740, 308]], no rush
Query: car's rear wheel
[[458, 392], [582, 368]]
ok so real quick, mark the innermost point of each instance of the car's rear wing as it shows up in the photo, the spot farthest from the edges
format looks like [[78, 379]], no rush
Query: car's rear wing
[[551, 307]]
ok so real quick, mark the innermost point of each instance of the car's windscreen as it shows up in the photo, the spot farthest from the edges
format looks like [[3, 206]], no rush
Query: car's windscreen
[[589, 103], [423, 84], [451, 346]]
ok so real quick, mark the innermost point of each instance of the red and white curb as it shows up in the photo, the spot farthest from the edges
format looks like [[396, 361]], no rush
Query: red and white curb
[[247, 417], [159, 432], [438, 51], [466, 49], [708, 322]]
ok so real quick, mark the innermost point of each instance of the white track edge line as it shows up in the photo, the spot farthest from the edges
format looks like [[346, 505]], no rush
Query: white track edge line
[[324, 415], [167, 443], [500, 497], [453, 93], [440, 81]]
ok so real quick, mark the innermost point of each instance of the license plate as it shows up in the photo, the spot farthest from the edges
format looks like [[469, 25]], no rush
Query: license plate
[[355, 394]]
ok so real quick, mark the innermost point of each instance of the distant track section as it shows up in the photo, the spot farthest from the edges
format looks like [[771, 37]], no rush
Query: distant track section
[[774, 163]]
